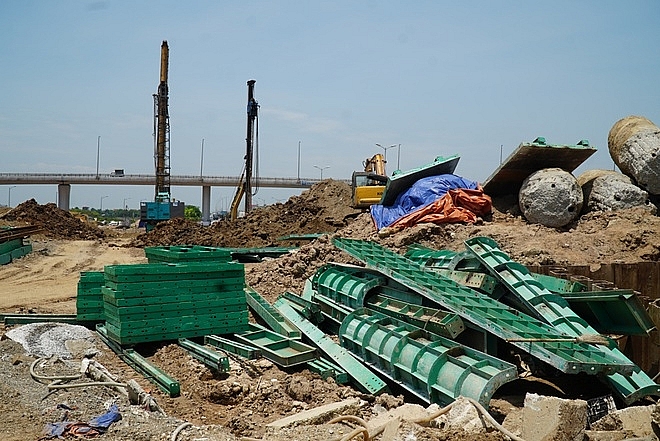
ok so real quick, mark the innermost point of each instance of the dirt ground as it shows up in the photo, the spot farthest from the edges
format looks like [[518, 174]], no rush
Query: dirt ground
[[254, 393]]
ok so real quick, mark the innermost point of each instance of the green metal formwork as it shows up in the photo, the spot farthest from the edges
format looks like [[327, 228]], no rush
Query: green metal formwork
[[108, 297], [487, 313], [152, 373], [187, 253], [402, 181], [160, 272], [213, 359], [154, 313], [233, 347], [168, 334], [270, 315], [279, 349], [618, 311], [237, 320], [557, 285], [89, 296], [435, 369], [327, 369], [630, 385], [351, 283], [425, 256], [157, 289], [438, 322], [364, 378]]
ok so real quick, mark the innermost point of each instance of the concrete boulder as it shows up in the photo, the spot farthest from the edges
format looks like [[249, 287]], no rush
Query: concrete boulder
[[550, 197], [634, 145], [607, 190]]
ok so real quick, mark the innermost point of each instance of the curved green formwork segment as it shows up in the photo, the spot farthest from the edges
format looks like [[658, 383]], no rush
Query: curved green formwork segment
[[346, 285], [436, 369], [540, 339], [555, 310]]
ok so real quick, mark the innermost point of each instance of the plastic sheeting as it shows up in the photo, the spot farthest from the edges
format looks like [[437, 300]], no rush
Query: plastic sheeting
[[436, 199]]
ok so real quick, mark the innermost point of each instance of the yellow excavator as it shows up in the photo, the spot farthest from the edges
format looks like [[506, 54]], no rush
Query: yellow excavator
[[368, 186]]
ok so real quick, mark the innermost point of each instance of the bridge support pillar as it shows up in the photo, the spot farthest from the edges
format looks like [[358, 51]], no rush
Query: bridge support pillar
[[63, 196], [206, 205]]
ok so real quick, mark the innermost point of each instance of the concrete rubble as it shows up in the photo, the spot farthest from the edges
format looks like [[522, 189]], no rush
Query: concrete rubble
[[553, 419], [607, 190]]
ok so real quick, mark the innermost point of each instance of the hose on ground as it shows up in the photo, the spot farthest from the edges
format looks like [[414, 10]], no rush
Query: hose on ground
[[50, 378], [54, 385], [178, 430], [364, 430]]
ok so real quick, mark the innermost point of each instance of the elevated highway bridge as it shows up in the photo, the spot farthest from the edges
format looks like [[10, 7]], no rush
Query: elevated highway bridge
[[64, 181]]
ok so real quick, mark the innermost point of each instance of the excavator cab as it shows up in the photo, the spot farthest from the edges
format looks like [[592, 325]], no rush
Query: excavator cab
[[368, 186]]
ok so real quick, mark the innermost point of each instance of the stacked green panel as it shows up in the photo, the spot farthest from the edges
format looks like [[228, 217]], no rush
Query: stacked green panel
[[168, 301], [187, 253], [89, 298], [13, 249]]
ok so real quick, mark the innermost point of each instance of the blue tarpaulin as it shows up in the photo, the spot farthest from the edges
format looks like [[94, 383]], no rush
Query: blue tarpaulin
[[422, 193]]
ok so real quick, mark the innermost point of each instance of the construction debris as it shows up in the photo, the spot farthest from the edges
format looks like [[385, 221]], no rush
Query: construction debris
[[606, 190], [634, 145], [552, 418], [551, 197]]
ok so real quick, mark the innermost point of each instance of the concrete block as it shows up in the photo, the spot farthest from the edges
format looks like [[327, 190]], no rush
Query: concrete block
[[318, 414], [604, 435], [635, 421], [553, 419]]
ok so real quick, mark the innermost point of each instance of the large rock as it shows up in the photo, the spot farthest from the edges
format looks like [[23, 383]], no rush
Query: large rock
[[634, 145], [550, 197], [607, 190], [553, 419]]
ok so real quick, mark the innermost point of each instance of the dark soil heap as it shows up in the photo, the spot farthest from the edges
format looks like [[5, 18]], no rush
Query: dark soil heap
[[324, 208], [56, 223]]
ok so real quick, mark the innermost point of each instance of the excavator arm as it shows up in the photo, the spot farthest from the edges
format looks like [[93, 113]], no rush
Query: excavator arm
[[236, 202]]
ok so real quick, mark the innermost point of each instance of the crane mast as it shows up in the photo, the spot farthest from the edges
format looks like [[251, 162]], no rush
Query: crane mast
[[162, 129], [252, 108]]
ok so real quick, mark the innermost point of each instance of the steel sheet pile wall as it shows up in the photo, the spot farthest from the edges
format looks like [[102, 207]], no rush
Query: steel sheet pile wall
[[161, 301]]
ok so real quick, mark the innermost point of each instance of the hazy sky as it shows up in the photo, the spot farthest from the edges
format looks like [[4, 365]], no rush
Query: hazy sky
[[437, 77]]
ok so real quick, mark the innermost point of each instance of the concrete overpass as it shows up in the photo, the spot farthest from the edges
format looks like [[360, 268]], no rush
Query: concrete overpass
[[65, 180]]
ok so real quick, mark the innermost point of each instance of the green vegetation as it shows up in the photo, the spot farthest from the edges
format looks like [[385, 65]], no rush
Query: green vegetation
[[192, 213]]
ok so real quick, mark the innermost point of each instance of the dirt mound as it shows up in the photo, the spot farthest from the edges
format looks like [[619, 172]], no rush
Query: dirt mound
[[56, 223], [324, 208]]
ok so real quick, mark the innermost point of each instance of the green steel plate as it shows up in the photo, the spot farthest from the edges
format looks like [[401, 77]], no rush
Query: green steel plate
[[171, 335], [150, 301], [327, 369], [363, 377], [125, 328], [487, 313], [213, 359], [402, 181], [270, 315], [171, 310], [277, 348], [234, 347], [160, 296], [193, 253], [196, 285]]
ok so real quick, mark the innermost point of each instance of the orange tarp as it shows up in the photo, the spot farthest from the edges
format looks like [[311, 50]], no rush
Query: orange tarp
[[460, 205]]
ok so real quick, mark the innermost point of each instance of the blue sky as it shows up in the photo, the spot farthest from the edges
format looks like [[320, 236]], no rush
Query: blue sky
[[437, 77]]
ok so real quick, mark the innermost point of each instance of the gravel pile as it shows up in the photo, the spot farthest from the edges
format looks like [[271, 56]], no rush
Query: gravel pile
[[50, 339]]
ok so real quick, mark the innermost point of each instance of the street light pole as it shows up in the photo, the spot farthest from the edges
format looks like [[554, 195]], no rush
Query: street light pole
[[201, 165], [298, 161], [321, 168], [98, 151], [101, 209], [385, 149], [398, 157], [9, 196]]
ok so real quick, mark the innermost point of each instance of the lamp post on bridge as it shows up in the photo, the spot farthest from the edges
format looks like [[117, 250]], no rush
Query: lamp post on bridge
[[322, 168]]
